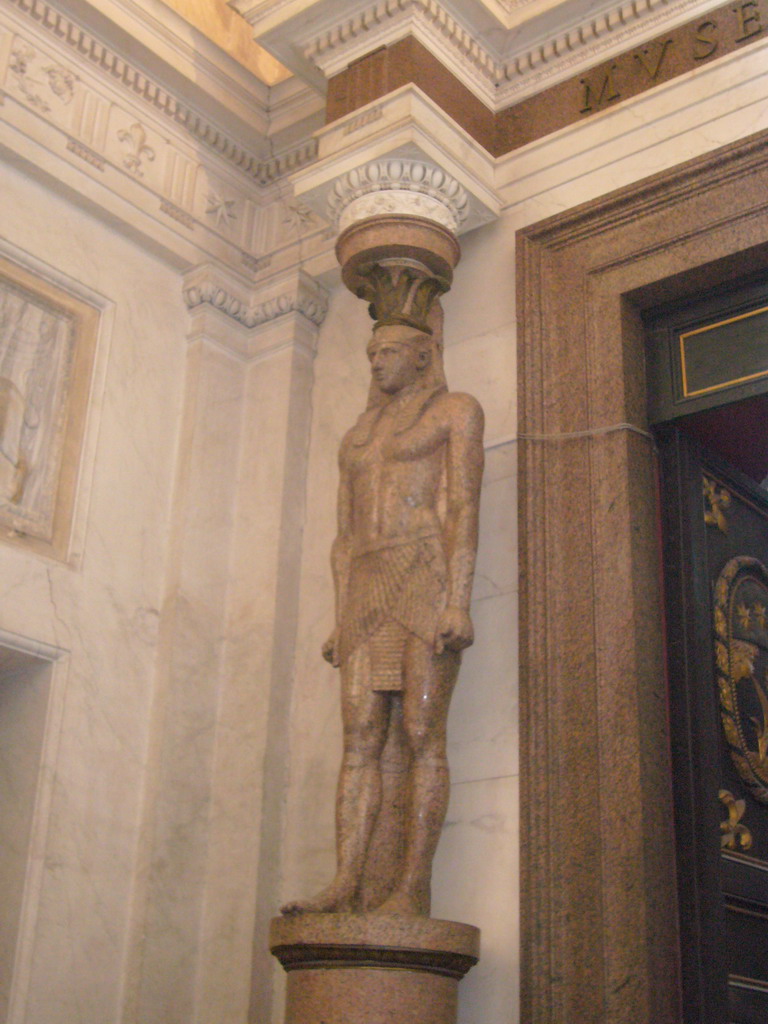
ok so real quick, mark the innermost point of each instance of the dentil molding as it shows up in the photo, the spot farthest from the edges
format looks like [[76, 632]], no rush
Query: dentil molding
[[502, 50], [84, 46]]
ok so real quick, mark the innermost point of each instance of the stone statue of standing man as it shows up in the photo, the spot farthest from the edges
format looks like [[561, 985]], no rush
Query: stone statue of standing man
[[403, 563]]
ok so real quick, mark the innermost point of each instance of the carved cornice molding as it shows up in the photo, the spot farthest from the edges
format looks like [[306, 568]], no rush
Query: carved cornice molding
[[287, 162], [501, 51], [209, 293], [134, 149], [558, 55], [214, 288], [312, 303], [392, 19], [398, 186], [85, 46]]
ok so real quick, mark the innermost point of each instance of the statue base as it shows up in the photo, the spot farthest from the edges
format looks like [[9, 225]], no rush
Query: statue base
[[372, 969]]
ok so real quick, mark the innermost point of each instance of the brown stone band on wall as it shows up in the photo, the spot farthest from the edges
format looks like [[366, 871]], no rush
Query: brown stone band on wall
[[404, 62], [661, 59]]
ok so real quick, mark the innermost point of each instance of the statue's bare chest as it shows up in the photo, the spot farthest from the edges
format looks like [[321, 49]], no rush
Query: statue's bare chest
[[388, 445]]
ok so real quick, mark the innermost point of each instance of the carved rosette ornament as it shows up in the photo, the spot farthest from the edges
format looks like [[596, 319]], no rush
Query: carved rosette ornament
[[741, 659]]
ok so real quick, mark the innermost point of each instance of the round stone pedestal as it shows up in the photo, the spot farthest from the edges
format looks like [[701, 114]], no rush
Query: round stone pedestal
[[372, 969]]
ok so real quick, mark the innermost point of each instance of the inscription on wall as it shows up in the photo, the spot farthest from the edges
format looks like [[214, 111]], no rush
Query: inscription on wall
[[667, 56], [690, 46]]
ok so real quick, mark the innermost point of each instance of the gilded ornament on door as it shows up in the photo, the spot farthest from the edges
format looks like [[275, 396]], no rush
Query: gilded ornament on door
[[733, 833], [741, 660], [718, 500]]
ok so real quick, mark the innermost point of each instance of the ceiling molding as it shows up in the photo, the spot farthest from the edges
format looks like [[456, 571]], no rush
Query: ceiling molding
[[502, 51], [77, 114], [557, 57], [165, 46], [250, 156]]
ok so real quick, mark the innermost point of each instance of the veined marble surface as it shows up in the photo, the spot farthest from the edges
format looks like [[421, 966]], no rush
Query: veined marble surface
[[103, 614]]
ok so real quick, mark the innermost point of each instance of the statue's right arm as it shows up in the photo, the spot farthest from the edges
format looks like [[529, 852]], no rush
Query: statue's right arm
[[340, 558]]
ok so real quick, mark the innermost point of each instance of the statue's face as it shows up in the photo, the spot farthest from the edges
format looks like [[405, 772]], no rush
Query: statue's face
[[394, 364]]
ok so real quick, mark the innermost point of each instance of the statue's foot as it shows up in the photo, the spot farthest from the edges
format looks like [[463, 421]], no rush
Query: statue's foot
[[400, 904], [336, 899]]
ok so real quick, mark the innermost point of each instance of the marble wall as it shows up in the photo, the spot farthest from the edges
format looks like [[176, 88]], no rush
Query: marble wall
[[192, 738], [96, 616], [169, 628]]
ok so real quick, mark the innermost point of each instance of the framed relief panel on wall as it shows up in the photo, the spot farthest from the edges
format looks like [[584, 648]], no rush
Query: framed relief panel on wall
[[47, 344]]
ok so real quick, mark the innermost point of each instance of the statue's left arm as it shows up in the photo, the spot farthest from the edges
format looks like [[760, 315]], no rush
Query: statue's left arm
[[464, 467]]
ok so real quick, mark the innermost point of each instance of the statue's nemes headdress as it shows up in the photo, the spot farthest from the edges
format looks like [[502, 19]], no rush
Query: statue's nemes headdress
[[412, 324]]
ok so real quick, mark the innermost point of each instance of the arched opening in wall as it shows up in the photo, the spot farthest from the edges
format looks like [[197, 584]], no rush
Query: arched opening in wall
[[708, 401], [599, 893]]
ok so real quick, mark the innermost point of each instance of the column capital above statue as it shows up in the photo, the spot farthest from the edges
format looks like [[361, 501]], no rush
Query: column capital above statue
[[397, 185], [384, 160]]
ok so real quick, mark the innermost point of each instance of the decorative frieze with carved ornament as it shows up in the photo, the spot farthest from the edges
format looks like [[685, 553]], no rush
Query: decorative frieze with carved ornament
[[188, 183]]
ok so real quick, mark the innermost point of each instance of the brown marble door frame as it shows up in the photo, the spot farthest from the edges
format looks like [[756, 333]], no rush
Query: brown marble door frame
[[599, 917]]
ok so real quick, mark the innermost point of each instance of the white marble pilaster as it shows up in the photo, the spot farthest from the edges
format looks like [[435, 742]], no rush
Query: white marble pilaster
[[237, 518], [189, 681], [250, 770]]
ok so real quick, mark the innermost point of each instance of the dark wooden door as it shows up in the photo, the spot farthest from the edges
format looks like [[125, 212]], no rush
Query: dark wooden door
[[715, 550]]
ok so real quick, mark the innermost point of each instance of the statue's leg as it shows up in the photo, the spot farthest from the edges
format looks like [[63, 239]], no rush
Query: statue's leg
[[429, 682], [365, 714]]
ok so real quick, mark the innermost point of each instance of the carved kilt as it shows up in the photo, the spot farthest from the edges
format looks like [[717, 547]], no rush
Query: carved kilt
[[395, 589]]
